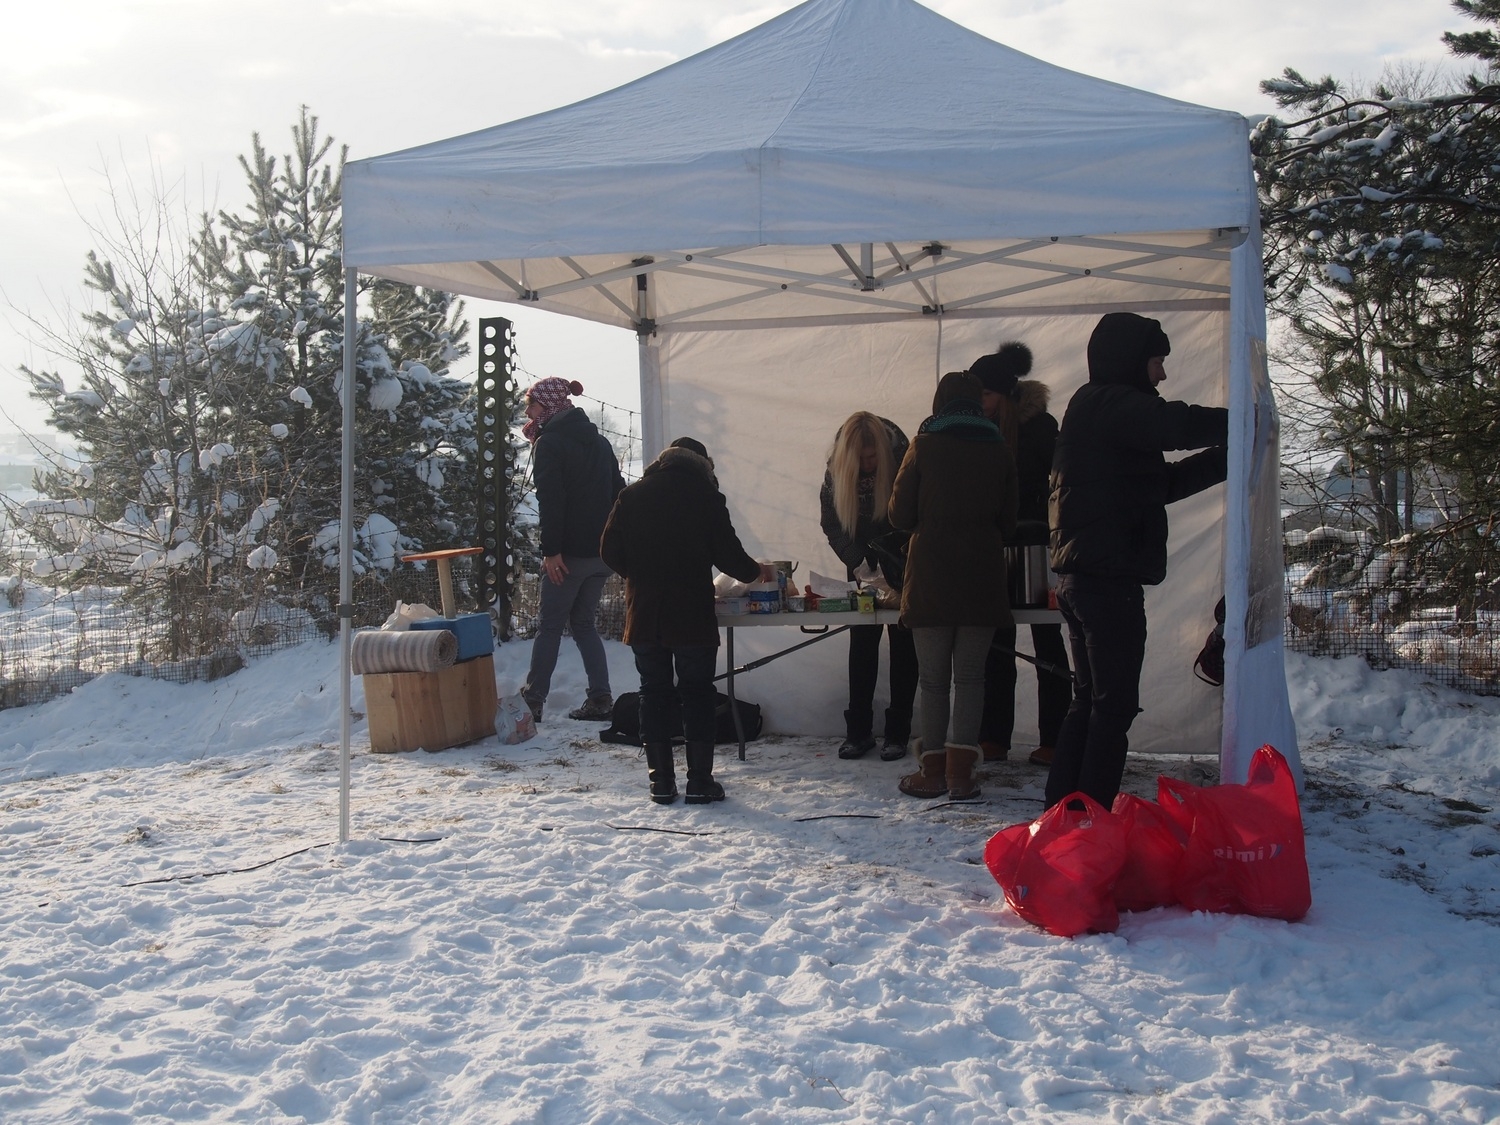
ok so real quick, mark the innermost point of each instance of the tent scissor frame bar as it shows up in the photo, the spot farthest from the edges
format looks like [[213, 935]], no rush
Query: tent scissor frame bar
[[870, 280]]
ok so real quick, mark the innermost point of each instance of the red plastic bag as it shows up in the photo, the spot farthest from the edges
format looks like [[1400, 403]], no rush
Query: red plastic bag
[[1059, 871], [1153, 855], [1245, 849], [1002, 855]]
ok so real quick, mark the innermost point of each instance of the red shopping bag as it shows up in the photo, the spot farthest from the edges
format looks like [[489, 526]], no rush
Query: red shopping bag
[[1153, 855], [1245, 849], [1059, 871], [1002, 855]]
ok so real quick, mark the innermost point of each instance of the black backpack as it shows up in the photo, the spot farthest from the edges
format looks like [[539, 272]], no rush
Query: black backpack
[[625, 725], [1209, 667]]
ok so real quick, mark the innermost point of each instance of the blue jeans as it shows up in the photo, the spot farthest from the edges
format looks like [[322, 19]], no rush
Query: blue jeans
[[573, 604], [692, 692], [1106, 619]]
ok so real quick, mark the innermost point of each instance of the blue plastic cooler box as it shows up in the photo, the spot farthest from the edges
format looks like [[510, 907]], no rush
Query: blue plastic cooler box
[[475, 637]]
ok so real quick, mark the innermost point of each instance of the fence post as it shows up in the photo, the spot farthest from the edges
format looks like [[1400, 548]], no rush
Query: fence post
[[495, 568]]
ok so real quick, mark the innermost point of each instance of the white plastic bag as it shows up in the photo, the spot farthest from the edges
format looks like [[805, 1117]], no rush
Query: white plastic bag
[[513, 720], [728, 586], [406, 614], [872, 577]]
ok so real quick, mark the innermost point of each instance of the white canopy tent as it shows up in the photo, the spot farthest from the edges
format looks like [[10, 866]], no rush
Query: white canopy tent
[[829, 212]]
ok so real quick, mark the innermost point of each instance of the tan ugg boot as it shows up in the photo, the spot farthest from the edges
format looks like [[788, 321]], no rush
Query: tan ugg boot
[[960, 764], [930, 780]]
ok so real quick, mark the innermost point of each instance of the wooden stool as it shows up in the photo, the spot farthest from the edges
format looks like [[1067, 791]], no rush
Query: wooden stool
[[444, 560]]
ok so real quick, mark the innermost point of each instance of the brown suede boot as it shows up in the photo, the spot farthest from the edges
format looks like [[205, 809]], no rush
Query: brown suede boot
[[930, 780], [960, 772], [1041, 756]]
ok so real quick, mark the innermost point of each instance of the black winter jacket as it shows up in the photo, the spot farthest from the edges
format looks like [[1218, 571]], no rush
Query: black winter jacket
[[666, 534], [577, 479], [1036, 441], [1110, 484]]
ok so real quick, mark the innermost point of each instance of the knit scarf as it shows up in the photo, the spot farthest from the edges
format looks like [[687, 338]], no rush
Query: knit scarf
[[552, 394]]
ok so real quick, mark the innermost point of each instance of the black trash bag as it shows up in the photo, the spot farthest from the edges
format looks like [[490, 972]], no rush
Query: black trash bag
[[625, 725]]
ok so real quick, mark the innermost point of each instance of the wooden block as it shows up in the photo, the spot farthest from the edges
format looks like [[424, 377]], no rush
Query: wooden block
[[431, 710]]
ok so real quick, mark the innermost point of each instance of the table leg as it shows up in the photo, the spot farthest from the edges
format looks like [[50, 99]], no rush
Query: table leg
[[734, 710]]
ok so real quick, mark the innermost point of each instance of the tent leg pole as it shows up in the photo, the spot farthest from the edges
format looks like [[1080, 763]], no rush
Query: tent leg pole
[[652, 438], [346, 548]]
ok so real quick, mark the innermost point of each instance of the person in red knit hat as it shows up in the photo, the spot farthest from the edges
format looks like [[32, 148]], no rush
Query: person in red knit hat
[[576, 478]]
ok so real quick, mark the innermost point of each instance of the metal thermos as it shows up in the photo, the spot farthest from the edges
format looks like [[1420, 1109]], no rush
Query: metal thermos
[[1026, 575]]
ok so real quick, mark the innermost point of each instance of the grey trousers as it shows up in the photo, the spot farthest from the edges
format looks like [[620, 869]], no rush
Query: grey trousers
[[956, 653], [574, 604]]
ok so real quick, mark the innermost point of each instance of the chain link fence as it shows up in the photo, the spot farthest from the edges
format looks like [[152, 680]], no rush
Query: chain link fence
[[1345, 596], [1392, 605], [53, 640]]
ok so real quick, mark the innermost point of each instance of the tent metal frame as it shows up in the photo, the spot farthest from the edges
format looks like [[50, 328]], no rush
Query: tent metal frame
[[882, 284]]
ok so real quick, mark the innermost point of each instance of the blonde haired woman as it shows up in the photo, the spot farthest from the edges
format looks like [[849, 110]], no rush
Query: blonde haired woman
[[867, 451]]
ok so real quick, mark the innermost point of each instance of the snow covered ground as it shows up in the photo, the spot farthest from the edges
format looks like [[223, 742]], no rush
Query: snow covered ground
[[515, 934]]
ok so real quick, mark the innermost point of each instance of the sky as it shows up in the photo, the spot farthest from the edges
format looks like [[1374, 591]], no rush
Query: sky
[[163, 95]]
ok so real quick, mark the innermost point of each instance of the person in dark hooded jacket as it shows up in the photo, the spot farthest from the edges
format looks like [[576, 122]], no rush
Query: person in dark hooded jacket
[[1107, 511], [956, 494], [576, 478], [666, 534]]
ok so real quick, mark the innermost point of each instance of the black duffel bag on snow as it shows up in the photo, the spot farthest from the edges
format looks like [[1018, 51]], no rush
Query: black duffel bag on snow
[[625, 725]]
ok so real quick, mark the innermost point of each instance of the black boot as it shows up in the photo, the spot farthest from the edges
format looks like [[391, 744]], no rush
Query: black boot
[[897, 735], [663, 777], [858, 740], [701, 786]]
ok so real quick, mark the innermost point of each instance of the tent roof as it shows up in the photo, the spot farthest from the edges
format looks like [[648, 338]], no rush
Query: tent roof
[[840, 121]]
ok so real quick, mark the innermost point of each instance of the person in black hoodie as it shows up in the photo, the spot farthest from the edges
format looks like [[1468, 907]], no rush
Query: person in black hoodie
[[577, 479], [1019, 407], [1108, 516], [666, 534]]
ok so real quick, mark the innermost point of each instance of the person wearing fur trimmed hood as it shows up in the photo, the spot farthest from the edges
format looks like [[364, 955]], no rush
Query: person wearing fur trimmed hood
[[665, 535], [956, 494], [867, 450], [1019, 407], [1111, 486], [576, 478]]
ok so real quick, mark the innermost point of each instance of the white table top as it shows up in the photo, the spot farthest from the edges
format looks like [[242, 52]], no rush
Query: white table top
[[854, 617]]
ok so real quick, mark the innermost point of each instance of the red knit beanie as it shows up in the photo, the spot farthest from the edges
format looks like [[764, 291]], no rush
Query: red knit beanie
[[551, 394]]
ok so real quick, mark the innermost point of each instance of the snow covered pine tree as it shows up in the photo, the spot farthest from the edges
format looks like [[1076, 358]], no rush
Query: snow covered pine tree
[[1382, 221], [206, 412]]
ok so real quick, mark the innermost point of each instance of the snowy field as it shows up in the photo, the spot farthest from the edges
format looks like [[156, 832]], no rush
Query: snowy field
[[515, 934]]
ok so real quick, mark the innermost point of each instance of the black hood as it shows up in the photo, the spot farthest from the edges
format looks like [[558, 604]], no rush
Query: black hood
[[1120, 346], [681, 459]]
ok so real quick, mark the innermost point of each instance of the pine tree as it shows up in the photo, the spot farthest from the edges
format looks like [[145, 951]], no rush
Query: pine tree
[[208, 415], [1382, 221]]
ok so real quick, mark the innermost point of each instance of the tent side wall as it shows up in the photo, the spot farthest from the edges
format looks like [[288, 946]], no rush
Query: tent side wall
[[1257, 710], [767, 405]]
